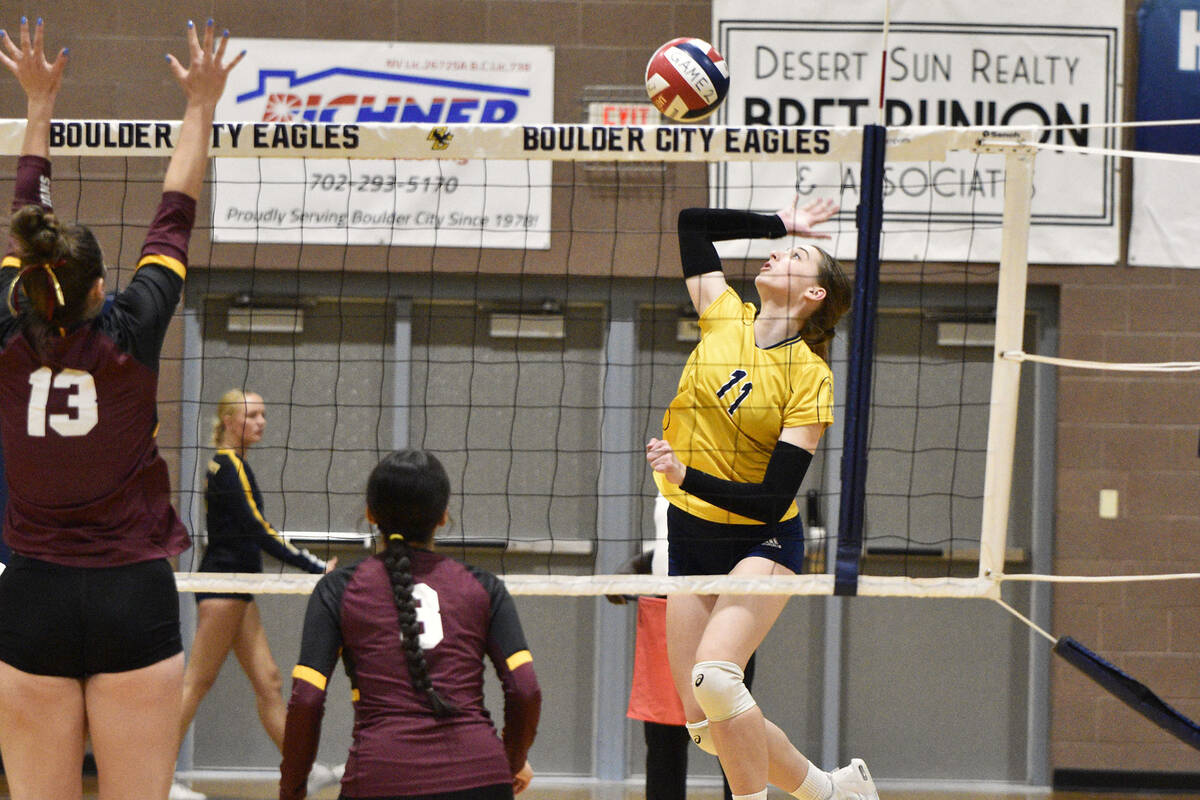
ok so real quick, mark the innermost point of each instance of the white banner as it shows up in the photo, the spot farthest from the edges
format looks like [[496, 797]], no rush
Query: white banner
[[1164, 228], [451, 202], [950, 62]]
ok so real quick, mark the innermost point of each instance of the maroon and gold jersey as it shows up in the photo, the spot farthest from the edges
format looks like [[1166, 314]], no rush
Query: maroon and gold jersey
[[400, 747], [87, 486]]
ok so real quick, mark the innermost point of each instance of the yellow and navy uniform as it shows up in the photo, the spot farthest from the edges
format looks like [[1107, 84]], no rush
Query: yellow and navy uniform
[[733, 401], [237, 530]]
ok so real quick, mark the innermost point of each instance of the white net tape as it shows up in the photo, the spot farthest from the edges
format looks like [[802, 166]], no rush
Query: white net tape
[[583, 585], [1031, 578], [1163, 366]]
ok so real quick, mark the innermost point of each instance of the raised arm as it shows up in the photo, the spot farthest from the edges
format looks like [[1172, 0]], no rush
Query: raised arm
[[41, 81], [699, 228], [202, 81]]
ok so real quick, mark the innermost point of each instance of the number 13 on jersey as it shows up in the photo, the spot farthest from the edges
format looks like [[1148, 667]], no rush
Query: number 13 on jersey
[[81, 398]]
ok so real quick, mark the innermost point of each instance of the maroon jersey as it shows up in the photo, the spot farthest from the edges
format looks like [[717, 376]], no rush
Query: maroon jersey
[[400, 747], [87, 486]]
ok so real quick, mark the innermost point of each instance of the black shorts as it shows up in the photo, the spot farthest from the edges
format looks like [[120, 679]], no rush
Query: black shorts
[[74, 622], [201, 596], [498, 791], [700, 547]]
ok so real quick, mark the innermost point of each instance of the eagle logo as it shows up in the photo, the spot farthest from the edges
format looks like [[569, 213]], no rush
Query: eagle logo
[[440, 137]]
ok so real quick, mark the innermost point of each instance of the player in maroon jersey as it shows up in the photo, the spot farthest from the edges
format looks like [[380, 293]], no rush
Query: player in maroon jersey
[[412, 628], [89, 614]]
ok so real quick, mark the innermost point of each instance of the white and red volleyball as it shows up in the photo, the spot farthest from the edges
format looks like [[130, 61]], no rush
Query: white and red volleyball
[[687, 79]]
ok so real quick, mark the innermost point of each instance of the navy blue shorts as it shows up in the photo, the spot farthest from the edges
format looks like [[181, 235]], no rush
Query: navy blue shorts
[[74, 622], [699, 547]]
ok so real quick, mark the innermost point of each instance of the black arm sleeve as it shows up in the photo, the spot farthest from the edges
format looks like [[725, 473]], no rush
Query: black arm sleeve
[[142, 312], [767, 501], [700, 227]]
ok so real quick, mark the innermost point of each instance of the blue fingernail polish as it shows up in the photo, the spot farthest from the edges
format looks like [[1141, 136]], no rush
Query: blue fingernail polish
[[168, 57], [3, 34], [39, 22], [209, 23], [66, 51], [191, 24], [225, 33], [24, 21]]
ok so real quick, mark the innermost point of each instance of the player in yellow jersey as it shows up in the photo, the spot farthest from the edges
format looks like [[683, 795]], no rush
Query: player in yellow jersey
[[754, 399]]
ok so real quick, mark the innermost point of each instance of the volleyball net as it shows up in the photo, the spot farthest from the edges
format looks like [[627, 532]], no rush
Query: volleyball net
[[510, 298]]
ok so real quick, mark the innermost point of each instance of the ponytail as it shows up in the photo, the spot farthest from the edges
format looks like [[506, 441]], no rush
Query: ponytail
[[821, 326], [397, 560], [228, 404]]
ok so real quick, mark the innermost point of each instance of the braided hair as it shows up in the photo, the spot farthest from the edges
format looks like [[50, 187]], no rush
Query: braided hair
[[59, 266], [818, 330], [407, 496]]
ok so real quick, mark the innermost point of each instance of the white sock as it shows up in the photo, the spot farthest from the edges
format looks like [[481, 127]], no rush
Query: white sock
[[756, 796], [816, 786]]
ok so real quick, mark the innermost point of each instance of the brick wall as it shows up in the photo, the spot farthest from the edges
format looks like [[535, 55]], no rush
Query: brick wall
[[1138, 434]]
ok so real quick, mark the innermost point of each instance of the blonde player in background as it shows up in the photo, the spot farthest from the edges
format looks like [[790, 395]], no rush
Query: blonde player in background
[[238, 534]]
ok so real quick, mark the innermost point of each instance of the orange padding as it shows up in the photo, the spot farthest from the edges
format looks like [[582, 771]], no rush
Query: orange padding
[[652, 697]]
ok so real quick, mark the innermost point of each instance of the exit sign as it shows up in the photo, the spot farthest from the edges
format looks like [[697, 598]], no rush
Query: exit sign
[[600, 113]]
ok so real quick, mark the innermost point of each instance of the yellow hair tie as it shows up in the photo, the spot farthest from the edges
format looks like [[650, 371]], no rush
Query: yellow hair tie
[[58, 292], [392, 536]]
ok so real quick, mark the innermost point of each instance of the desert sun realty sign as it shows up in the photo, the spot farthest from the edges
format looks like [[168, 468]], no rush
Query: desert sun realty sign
[[950, 62]]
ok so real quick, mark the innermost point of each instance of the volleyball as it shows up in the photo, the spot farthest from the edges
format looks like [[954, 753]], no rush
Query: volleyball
[[687, 79]]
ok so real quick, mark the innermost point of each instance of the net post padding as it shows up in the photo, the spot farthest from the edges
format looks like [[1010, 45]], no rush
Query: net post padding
[[1128, 690], [1006, 374], [595, 585]]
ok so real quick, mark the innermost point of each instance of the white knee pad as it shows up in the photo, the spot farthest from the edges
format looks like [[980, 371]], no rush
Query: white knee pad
[[700, 735], [719, 687]]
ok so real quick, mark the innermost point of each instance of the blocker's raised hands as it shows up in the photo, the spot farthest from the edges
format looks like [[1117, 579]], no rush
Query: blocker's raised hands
[[203, 80], [41, 79]]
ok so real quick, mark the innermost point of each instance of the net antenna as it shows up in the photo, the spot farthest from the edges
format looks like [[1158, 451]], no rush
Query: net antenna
[[881, 111]]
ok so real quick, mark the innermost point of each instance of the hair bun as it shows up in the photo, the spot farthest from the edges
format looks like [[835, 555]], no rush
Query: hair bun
[[38, 234]]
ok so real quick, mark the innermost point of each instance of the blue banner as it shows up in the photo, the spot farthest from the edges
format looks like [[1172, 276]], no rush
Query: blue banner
[[1169, 74]]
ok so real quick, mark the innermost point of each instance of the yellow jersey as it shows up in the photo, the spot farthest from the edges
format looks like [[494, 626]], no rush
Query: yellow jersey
[[734, 400]]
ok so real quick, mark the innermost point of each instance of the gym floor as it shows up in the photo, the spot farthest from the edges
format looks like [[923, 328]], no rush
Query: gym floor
[[260, 790]]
